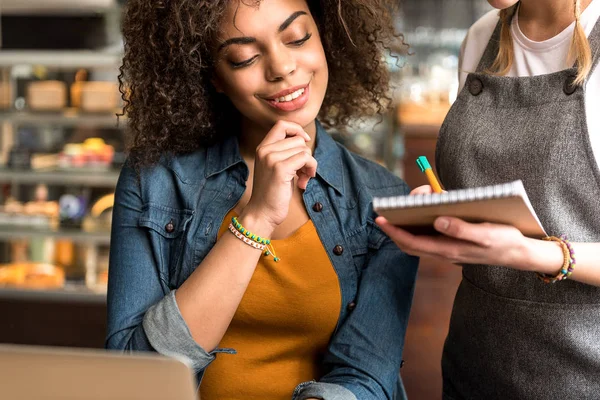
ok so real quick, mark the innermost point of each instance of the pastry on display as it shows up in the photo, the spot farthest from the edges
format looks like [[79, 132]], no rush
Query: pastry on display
[[32, 276]]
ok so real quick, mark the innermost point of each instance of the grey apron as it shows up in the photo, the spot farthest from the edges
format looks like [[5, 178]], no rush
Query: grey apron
[[512, 336]]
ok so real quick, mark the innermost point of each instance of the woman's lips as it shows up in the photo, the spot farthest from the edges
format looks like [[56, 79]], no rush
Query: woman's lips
[[291, 105]]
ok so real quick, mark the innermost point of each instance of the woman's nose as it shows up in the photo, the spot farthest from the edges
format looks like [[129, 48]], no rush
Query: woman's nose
[[281, 65]]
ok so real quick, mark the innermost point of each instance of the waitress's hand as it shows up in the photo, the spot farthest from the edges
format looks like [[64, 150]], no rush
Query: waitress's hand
[[467, 243], [425, 189], [282, 156]]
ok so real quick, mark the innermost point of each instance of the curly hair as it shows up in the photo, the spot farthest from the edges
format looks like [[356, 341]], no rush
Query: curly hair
[[165, 79]]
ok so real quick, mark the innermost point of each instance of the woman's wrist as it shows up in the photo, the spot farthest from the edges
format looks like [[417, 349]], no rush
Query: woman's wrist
[[545, 257], [256, 223]]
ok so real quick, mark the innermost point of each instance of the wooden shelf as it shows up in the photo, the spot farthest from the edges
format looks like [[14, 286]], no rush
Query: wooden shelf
[[74, 59], [67, 117], [61, 177], [8, 232]]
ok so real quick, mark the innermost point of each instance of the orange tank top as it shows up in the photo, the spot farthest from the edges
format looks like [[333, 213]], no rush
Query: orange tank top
[[282, 326]]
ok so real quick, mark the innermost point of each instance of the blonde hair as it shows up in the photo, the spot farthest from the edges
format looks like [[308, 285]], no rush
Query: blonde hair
[[579, 52]]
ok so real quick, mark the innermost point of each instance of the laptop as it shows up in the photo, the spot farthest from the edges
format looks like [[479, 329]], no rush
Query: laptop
[[53, 373]]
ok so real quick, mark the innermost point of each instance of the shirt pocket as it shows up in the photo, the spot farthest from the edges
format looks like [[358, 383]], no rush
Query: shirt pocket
[[166, 227], [363, 241]]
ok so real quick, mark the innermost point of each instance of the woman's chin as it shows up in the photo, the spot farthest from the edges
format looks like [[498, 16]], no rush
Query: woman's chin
[[502, 4]]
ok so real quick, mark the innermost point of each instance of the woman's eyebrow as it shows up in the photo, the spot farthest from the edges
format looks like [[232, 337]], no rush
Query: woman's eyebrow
[[249, 40]]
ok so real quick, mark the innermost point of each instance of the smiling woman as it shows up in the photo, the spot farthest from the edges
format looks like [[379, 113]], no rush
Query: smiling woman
[[243, 236], [170, 59]]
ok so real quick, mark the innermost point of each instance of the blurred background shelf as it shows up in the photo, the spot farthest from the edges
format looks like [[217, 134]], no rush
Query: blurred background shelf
[[72, 292], [76, 235], [106, 179], [68, 117], [61, 58], [58, 7]]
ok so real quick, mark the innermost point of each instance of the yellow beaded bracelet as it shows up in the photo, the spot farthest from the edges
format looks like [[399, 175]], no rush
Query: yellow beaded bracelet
[[252, 239]]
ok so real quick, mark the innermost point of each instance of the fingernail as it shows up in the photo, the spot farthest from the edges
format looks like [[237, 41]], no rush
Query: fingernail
[[442, 224]]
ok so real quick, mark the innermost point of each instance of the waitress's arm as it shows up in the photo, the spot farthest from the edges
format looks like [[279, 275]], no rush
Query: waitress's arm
[[493, 244], [544, 257]]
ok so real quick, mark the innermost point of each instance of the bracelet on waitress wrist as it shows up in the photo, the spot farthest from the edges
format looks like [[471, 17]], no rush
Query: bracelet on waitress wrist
[[568, 260]]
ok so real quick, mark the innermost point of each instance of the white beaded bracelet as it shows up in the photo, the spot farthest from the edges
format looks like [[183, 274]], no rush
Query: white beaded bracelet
[[246, 240]]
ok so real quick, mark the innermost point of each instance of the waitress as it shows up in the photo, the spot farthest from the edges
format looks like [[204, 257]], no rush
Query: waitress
[[526, 318]]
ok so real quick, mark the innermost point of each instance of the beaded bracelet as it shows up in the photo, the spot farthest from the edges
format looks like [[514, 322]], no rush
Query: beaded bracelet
[[253, 240], [244, 239], [568, 264]]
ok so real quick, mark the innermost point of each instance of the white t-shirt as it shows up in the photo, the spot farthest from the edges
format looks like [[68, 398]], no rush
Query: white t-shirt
[[537, 58]]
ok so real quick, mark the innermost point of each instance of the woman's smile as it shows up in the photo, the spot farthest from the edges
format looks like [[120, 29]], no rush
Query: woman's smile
[[290, 99]]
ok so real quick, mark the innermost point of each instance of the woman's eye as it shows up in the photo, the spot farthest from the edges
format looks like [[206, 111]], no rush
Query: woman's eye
[[249, 61], [301, 41], [243, 63]]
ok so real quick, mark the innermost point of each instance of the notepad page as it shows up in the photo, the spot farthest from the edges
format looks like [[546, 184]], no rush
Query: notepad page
[[494, 203], [514, 188]]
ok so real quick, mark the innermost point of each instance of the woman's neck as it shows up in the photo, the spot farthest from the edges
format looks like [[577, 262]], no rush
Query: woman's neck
[[541, 20]]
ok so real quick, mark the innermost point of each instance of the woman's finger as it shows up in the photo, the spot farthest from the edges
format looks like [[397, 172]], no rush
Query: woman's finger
[[301, 161], [272, 159], [285, 144], [446, 247], [425, 189], [282, 130], [480, 234]]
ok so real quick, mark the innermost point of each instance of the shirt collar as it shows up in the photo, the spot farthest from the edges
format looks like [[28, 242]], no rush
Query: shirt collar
[[328, 154], [222, 156], [226, 154]]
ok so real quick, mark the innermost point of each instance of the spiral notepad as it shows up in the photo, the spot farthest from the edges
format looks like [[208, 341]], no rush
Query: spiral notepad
[[505, 204]]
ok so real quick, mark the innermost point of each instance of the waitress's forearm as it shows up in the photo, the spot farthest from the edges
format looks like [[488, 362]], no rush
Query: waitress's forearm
[[209, 298], [547, 257]]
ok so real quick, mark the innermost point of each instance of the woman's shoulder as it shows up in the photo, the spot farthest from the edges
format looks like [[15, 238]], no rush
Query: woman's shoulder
[[186, 168], [483, 28], [475, 43], [167, 182]]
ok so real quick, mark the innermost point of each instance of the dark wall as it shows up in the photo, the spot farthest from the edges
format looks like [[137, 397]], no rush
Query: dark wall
[[52, 323], [53, 32]]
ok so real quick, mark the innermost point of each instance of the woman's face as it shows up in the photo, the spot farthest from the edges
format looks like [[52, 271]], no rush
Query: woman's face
[[270, 62], [501, 4]]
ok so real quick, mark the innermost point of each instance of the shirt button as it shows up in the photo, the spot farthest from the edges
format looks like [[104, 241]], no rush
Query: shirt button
[[170, 227], [351, 306], [338, 250], [570, 87], [317, 207], [475, 87]]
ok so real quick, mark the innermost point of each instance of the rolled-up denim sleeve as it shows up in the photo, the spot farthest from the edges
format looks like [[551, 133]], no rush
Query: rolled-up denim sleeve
[[364, 357], [142, 311], [322, 390]]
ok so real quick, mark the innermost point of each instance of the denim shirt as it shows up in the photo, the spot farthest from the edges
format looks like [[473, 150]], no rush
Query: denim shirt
[[165, 221]]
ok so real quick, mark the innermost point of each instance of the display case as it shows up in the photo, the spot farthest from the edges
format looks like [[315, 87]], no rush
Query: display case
[[61, 147], [428, 82]]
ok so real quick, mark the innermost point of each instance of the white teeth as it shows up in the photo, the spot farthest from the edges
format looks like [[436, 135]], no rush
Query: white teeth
[[290, 96]]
